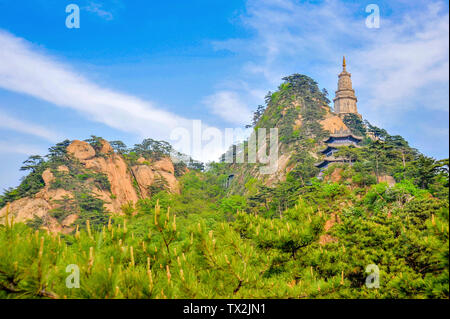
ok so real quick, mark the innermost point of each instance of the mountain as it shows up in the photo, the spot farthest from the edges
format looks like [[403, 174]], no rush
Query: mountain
[[316, 142], [303, 117], [350, 212]]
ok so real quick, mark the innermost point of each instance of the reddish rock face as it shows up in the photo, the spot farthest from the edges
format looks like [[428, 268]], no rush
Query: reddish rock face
[[333, 123], [47, 176], [81, 150], [144, 177], [63, 168], [26, 208], [165, 165], [121, 181], [106, 148]]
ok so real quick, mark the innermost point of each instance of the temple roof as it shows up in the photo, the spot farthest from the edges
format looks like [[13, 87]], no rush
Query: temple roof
[[340, 135], [326, 149], [332, 160], [336, 146]]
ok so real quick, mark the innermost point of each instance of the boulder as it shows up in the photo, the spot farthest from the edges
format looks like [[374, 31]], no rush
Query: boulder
[[387, 179], [81, 150], [119, 177], [333, 123], [48, 177], [106, 147], [69, 220], [63, 168], [26, 209], [172, 183], [144, 176], [164, 164]]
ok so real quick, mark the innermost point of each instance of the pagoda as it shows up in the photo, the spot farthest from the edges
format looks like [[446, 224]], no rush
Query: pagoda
[[345, 98], [344, 103]]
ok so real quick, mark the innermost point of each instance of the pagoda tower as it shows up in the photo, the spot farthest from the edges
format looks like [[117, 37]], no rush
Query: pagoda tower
[[345, 100]]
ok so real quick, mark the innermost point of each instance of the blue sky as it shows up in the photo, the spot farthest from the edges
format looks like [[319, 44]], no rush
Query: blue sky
[[138, 69]]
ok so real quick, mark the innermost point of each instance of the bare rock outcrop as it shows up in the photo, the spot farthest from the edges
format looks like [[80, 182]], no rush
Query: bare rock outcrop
[[53, 194], [26, 209], [172, 182], [81, 150], [145, 177], [48, 176], [333, 123], [69, 220], [163, 169], [63, 169], [106, 148], [387, 179], [164, 164], [119, 177]]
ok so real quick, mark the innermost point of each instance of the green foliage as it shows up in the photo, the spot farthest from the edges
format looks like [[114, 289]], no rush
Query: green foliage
[[119, 146], [150, 148], [355, 124], [31, 184], [280, 110], [159, 253], [158, 185], [95, 142], [179, 168], [233, 204]]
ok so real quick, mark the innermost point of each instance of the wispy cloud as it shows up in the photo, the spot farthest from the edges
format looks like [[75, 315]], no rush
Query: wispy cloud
[[400, 67], [229, 106], [28, 70], [14, 124], [97, 8], [19, 148], [406, 66], [25, 70]]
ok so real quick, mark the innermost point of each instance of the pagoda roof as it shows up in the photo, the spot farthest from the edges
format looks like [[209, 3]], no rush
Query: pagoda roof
[[340, 135], [327, 148], [330, 160], [337, 145]]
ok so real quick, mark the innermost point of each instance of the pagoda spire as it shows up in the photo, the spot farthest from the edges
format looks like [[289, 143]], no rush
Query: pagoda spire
[[345, 98]]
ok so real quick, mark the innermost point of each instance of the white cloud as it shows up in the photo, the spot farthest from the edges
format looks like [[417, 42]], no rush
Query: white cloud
[[19, 148], [24, 70], [229, 106], [11, 123], [406, 65], [401, 66], [96, 8]]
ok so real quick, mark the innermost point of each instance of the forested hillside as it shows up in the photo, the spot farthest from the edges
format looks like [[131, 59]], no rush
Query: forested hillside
[[292, 234]]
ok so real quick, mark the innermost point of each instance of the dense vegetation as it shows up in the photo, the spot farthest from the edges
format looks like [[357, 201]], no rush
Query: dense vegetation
[[200, 245], [303, 237]]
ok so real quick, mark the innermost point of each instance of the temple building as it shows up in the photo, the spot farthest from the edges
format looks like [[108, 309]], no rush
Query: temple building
[[345, 100], [334, 142], [344, 103]]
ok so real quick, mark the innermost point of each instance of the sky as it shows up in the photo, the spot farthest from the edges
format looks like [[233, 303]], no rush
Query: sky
[[138, 69]]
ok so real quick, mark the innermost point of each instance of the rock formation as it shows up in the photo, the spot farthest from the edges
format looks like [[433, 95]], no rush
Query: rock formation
[[129, 183]]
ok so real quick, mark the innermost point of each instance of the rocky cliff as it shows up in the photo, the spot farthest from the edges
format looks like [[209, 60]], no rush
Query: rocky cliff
[[103, 174]]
